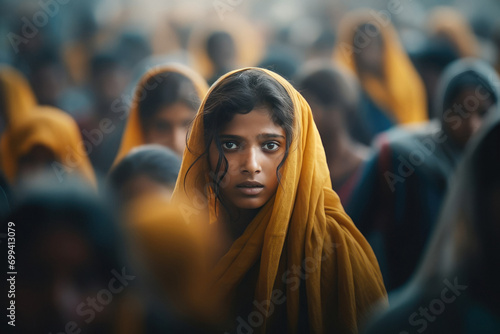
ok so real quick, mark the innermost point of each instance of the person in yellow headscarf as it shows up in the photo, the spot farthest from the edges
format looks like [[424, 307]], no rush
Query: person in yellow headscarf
[[393, 91], [448, 25], [165, 102], [47, 139], [256, 169]]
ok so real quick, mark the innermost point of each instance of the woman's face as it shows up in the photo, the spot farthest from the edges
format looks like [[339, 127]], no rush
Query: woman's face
[[254, 146], [169, 126]]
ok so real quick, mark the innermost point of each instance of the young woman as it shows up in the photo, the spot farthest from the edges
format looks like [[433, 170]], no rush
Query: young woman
[[164, 105], [256, 168]]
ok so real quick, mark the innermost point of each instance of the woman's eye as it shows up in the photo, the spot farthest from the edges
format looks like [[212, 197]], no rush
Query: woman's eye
[[229, 145], [272, 146]]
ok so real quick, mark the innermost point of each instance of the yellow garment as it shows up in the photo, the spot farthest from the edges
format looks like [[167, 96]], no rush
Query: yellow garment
[[53, 129], [175, 254], [402, 92], [17, 97], [449, 23], [17, 101], [303, 221], [133, 135]]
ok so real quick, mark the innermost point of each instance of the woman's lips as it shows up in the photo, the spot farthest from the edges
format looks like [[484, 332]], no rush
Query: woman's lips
[[250, 188]]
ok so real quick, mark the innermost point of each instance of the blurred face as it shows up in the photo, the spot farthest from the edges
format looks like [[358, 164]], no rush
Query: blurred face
[[465, 115], [142, 185], [254, 146], [169, 126], [58, 274], [370, 57]]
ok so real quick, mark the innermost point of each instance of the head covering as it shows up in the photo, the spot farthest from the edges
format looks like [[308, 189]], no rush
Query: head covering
[[17, 97], [55, 130], [449, 24], [303, 221], [133, 135], [402, 92]]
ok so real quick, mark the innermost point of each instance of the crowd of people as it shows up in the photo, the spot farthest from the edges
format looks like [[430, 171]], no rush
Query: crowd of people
[[249, 167]]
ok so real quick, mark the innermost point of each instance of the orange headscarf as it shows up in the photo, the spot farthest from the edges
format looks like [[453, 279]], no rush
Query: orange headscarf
[[133, 135], [18, 101], [18, 98], [303, 224], [55, 130], [402, 93], [449, 23]]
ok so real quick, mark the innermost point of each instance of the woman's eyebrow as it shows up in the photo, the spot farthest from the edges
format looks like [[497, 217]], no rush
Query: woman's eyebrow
[[270, 135], [259, 136]]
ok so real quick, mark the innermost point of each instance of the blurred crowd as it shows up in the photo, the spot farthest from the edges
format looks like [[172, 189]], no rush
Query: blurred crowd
[[97, 99]]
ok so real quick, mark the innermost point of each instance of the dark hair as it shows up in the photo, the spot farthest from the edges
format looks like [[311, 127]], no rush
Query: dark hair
[[241, 93], [157, 162], [330, 88], [51, 206], [165, 89]]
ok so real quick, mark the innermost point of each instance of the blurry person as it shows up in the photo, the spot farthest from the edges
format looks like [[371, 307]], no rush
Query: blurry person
[[221, 51], [282, 60], [48, 139], [256, 170], [393, 92], [456, 287], [218, 46], [173, 256], [165, 102], [71, 274], [430, 61], [48, 77], [398, 199], [107, 82], [448, 26], [146, 169], [333, 95]]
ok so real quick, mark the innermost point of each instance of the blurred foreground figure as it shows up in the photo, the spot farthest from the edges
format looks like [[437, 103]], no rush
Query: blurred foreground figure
[[399, 197], [164, 105], [146, 169], [334, 96], [456, 288], [172, 257], [71, 276], [48, 139], [393, 91]]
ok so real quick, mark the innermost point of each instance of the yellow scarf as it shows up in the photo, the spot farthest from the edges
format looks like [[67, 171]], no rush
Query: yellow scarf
[[133, 135], [53, 129], [402, 93], [303, 223], [18, 101]]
